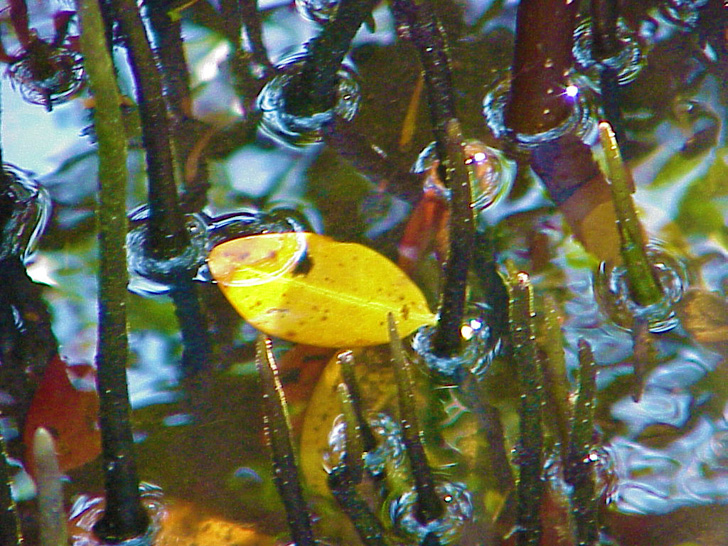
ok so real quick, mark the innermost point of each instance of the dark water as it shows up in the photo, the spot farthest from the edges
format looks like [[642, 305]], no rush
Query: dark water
[[663, 459]]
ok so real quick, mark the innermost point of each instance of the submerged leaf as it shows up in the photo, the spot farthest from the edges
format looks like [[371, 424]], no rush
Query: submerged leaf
[[310, 289], [67, 405]]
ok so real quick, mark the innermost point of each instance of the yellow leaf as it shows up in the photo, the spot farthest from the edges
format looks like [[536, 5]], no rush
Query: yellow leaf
[[308, 288]]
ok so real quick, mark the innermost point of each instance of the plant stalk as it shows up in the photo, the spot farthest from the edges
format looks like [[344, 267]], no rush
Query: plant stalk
[[125, 516], [530, 453], [313, 90], [278, 432], [429, 506], [643, 284]]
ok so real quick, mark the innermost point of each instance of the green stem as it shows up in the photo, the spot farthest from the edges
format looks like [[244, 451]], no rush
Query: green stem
[[579, 466], [346, 362], [429, 506], [530, 452], [643, 284], [125, 516]]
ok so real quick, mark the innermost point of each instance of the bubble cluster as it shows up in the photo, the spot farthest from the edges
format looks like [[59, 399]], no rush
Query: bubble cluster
[[88, 510], [387, 455], [298, 131], [46, 75]]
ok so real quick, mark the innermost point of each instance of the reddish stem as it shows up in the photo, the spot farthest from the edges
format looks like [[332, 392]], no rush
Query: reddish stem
[[542, 59]]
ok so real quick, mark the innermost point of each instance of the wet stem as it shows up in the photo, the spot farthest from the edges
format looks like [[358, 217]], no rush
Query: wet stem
[[429, 38], [643, 284], [125, 516]]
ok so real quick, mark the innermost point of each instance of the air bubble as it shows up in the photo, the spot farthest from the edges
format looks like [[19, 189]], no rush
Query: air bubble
[[580, 122], [628, 63], [611, 290], [317, 11], [479, 348], [299, 131], [493, 173], [149, 276], [458, 506], [30, 207]]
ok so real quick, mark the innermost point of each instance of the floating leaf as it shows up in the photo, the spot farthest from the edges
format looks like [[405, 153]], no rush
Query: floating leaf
[[310, 289]]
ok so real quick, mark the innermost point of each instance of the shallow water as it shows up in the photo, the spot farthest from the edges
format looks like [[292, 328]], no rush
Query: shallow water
[[664, 458]]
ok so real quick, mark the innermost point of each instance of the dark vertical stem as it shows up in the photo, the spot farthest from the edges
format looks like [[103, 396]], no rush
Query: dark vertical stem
[[447, 341], [10, 534], [254, 32], [530, 452], [193, 324], [365, 522], [429, 506], [428, 36], [541, 62], [170, 52], [346, 361], [125, 516], [167, 233], [278, 432], [344, 477], [579, 467], [314, 88], [605, 44]]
